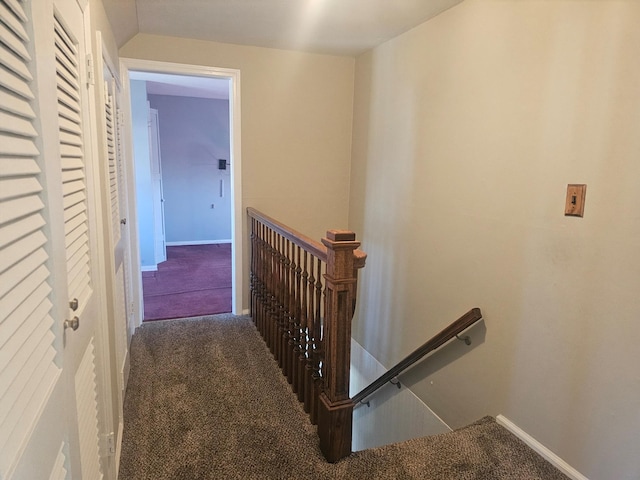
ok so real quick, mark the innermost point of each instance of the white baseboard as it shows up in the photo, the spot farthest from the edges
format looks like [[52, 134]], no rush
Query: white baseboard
[[149, 268], [246, 311], [196, 242], [547, 454]]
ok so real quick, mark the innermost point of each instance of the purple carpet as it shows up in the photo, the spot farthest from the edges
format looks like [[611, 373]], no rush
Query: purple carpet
[[195, 280]]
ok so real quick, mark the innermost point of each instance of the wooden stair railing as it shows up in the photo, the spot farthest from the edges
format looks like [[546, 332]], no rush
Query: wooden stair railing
[[453, 330], [302, 301]]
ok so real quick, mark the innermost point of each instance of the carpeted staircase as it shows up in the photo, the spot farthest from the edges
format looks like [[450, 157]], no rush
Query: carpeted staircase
[[206, 400]]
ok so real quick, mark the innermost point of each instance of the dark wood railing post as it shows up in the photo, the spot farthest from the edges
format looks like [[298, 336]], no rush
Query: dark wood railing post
[[335, 410]]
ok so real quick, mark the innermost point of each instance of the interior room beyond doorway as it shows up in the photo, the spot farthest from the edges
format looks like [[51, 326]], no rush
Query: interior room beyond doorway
[[182, 144]]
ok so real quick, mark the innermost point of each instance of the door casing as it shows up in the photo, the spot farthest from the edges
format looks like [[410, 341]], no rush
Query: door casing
[[237, 216]]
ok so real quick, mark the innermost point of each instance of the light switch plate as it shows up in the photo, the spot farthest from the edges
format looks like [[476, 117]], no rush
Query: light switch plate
[[574, 205]]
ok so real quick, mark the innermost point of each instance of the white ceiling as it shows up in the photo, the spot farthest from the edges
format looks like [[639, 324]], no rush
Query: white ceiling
[[339, 27]]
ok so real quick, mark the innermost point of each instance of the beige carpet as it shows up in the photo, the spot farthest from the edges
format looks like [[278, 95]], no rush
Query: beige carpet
[[207, 401]]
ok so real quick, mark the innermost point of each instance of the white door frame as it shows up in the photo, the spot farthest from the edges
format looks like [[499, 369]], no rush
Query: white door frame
[[237, 218]]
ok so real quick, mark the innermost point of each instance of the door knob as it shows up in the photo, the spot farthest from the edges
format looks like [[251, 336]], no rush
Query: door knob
[[73, 304], [73, 324]]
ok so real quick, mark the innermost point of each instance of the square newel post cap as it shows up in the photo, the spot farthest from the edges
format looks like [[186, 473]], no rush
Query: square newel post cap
[[341, 236]]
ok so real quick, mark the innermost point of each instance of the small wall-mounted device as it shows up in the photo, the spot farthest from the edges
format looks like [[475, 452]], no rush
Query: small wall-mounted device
[[574, 204], [222, 164]]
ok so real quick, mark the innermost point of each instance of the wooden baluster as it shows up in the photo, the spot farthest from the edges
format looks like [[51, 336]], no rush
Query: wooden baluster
[[282, 291], [260, 279], [297, 324], [311, 340], [258, 276], [301, 322], [282, 333], [290, 315], [252, 269], [295, 317], [268, 289], [336, 408], [294, 325], [316, 351], [276, 299], [273, 302], [309, 368], [263, 282], [306, 331]]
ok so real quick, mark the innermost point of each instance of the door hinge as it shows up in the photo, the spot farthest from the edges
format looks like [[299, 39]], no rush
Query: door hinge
[[107, 445], [90, 73]]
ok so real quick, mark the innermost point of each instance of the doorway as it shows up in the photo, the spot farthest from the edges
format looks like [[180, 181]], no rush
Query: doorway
[[224, 193]]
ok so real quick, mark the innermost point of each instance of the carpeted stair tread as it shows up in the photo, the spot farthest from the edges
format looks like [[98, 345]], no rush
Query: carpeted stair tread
[[206, 400]]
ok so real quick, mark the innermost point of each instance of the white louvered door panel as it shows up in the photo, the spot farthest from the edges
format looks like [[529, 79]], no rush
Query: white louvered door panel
[[112, 162], [29, 374], [72, 158], [87, 411], [120, 153]]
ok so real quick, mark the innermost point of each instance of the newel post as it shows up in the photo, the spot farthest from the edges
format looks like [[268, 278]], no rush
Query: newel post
[[335, 410]]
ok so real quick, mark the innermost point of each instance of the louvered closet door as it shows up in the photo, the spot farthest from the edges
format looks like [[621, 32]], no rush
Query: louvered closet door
[[63, 118], [48, 400], [117, 200], [33, 402], [79, 220]]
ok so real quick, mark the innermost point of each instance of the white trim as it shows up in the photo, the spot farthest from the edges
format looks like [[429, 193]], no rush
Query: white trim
[[150, 268], [237, 216], [547, 454], [135, 306], [197, 242], [246, 311], [177, 68], [118, 454]]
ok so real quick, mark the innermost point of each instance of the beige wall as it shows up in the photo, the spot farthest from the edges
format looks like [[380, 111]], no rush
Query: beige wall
[[467, 130], [296, 125], [100, 22]]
